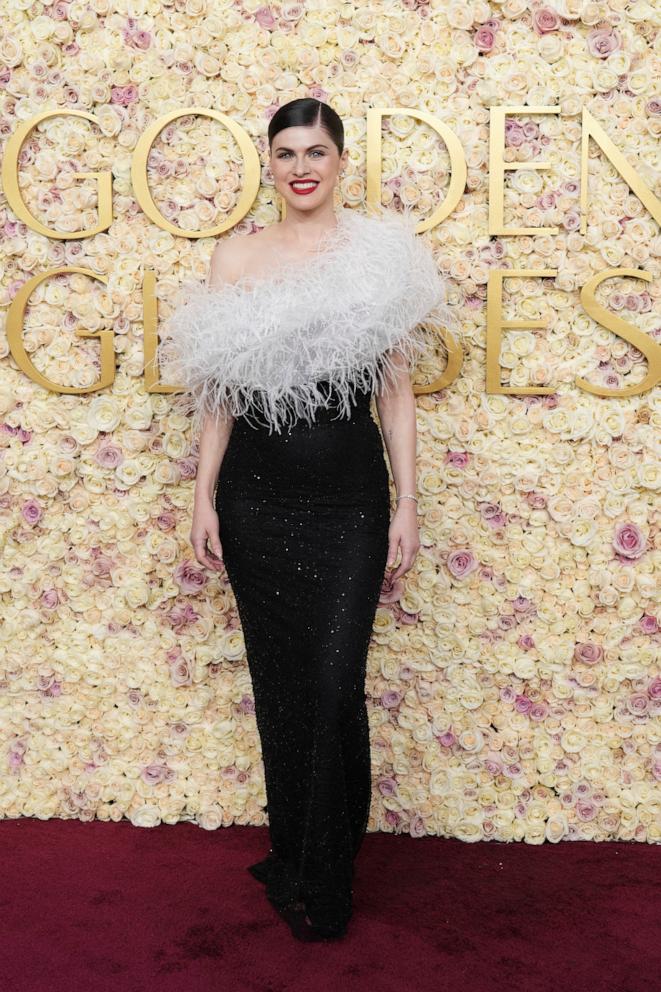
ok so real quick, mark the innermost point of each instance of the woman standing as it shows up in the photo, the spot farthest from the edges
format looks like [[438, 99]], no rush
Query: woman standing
[[280, 354]]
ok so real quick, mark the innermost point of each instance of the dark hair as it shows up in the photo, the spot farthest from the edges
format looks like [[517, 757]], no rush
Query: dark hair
[[307, 112]]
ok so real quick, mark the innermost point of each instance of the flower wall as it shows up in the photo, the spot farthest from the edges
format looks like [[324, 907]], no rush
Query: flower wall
[[513, 680]]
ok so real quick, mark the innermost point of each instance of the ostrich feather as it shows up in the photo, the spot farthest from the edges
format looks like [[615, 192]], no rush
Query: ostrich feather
[[339, 317]]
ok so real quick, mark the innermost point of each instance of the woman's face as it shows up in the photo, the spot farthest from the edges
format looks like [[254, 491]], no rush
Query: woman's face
[[306, 153]]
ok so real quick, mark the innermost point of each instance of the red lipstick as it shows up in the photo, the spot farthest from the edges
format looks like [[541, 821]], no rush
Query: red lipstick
[[305, 189]]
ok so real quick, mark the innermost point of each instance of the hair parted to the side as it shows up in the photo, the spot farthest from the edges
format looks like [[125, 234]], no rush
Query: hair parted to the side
[[308, 112]]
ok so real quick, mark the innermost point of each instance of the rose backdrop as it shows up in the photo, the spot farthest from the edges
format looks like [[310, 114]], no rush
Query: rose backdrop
[[513, 685]]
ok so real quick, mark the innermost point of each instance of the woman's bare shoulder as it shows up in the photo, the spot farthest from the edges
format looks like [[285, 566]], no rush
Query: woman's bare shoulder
[[242, 255]]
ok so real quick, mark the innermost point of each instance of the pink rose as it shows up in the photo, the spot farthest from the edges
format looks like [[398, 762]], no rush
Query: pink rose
[[459, 459], [493, 763], [546, 201], [417, 826], [49, 599], [586, 809], [638, 703], [190, 578], [387, 786], [181, 672], [588, 653], [489, 510], [447, 739], [545, 19], [538, 712], [16, 759], [108, 455], [461, 563], [521, 604], [246, 704], [141, 40], [629, 540], [156, 773], [649, 624], [522, 704], [654, 688], [514, 134], [31, 511], [390, 699], [484, 38], [526, 642], [602, 42], [181, 615], [265, 18]]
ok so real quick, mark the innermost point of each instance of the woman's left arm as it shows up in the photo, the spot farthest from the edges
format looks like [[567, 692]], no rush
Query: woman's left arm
[[396, 409]]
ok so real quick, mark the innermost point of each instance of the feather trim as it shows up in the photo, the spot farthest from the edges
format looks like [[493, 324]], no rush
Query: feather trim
[[340, 317]]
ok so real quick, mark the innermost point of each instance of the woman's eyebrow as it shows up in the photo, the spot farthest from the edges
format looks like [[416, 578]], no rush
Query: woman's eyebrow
[[283, 148]]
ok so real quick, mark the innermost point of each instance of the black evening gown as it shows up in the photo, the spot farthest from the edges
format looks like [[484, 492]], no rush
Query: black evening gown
[[304, 519]]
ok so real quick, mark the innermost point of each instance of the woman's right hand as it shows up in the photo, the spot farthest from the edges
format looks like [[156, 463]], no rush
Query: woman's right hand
[[205, 537]]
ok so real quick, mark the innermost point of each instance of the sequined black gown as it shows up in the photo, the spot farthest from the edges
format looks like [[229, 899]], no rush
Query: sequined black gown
[[304, 519]]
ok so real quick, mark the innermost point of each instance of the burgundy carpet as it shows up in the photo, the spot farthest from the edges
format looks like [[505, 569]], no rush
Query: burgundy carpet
[[109, 906]]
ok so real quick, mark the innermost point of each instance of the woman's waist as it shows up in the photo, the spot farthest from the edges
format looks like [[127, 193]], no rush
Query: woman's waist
[[325, 453], [328, 406]]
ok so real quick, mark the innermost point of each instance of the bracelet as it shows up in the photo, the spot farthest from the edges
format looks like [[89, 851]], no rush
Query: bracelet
[[406, 496]]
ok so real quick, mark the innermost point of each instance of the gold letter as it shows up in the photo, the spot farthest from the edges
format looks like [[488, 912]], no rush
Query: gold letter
[[13, 193], [495, 325], [452, 368], [497, 167], [592, 128], [14, 328], [152, 372], [373, 155], [141, 185], [638, 339]]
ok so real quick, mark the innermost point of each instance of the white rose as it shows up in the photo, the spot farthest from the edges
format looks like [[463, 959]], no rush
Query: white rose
[[145, 816]]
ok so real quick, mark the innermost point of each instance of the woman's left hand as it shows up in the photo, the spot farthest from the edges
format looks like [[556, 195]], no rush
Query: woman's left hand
[[403, 536]]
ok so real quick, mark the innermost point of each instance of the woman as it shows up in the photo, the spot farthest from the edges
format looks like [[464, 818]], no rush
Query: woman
[[280, 354]]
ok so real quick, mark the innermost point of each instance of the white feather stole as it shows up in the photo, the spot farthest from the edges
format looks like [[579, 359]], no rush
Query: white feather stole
[[338, 317]]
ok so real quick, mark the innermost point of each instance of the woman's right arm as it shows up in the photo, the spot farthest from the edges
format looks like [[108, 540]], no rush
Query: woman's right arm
[[214, 438]]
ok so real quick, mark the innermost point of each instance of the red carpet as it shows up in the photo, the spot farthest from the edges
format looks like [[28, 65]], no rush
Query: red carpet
[[109, 906]]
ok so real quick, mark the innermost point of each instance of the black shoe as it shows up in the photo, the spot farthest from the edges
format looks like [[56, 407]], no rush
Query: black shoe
[[282, 885], [325, 931], [262, 870], [327, 912]]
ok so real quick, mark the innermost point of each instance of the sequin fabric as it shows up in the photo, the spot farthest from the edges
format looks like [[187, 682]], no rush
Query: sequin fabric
[[304, 519]]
